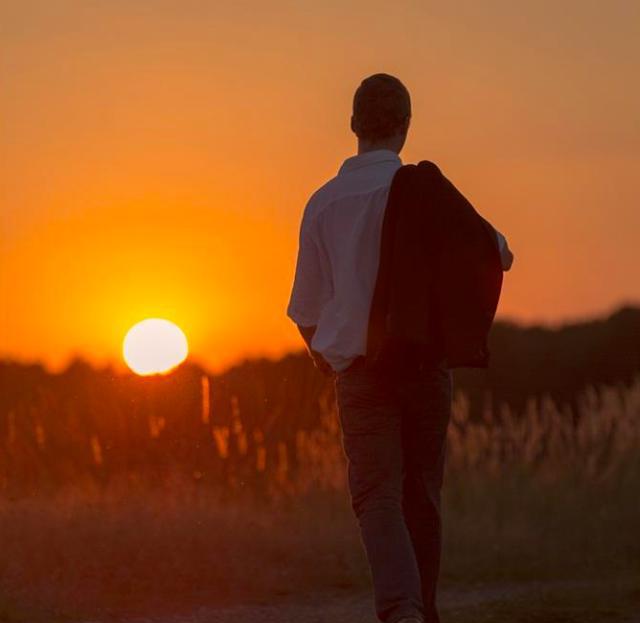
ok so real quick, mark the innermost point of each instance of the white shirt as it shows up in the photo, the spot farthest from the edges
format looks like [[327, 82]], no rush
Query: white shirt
[[338, 256]]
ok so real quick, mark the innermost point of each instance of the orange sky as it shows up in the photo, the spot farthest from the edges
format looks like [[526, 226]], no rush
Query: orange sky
[[156, 155]]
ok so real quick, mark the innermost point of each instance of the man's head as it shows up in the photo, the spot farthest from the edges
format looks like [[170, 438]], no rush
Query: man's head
[[381, 113]]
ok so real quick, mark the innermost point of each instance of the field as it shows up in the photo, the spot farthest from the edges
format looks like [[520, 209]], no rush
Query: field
[[125, 497]]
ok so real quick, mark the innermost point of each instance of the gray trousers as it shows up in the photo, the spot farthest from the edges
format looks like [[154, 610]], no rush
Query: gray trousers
[[394, 426]]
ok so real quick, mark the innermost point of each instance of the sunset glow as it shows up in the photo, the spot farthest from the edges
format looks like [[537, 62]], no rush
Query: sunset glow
[[154, 346], [161, 164]]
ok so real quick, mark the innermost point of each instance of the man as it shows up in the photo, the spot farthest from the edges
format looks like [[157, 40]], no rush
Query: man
[[394, 422]]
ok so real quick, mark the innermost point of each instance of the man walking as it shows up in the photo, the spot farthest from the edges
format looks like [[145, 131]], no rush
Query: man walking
[[394, 417]]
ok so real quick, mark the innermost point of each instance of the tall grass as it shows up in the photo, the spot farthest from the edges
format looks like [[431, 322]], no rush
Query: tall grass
[[243, 436]]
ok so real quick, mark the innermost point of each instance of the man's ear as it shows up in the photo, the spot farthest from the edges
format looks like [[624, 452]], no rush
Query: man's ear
[[353, 125]]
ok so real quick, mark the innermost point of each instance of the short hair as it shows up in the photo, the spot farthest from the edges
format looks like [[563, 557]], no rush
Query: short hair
[[381, 106]]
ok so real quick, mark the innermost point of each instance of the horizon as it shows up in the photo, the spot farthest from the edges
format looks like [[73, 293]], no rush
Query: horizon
[[119, 366], [157, 165]]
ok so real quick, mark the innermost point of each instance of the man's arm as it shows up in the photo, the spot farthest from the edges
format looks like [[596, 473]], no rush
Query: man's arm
[[311, 288], [318, 360]]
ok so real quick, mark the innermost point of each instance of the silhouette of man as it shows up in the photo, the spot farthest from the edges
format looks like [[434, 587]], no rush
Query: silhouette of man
[[393, 421]]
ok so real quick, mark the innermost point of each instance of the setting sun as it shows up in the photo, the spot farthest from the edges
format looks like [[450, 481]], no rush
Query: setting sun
[[154, 346]]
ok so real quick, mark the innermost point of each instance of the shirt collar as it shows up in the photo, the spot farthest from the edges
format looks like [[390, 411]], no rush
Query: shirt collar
[[369, 157]]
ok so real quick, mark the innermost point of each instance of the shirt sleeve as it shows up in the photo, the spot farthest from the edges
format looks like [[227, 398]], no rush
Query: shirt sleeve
[[312, 283], [502, 241], [504, 253]]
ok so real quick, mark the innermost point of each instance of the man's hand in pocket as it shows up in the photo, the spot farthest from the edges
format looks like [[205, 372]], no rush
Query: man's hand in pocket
[[321, 363]]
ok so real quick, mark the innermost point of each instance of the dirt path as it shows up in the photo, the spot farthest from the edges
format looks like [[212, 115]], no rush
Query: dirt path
[[358, 608]]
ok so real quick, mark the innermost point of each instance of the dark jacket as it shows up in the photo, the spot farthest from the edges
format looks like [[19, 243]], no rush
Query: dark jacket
[[439, 276]]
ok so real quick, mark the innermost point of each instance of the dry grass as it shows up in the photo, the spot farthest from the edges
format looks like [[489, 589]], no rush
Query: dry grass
[[544, 494]]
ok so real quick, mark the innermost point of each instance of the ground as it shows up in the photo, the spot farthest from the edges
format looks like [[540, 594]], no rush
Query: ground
[[543, 602]]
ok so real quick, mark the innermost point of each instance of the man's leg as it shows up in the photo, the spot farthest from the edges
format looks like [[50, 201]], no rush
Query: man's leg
[[427, 407], [372, 440]]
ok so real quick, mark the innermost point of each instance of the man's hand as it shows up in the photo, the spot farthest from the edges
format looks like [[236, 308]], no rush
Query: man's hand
[[321, 363], [507, 257], [318, 360]]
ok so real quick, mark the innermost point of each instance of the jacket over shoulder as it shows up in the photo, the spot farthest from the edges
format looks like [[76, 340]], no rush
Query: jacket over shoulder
[[439, 275]]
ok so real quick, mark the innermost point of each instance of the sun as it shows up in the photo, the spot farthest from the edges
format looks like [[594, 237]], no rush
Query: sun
[[154, 346]]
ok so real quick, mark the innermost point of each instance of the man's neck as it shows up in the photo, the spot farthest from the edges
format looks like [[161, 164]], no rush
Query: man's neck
[[394, 143], [363, 149]]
